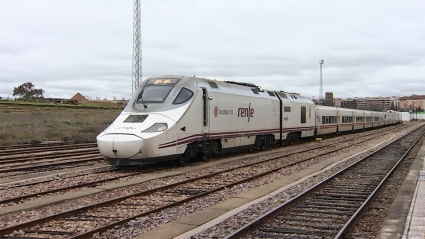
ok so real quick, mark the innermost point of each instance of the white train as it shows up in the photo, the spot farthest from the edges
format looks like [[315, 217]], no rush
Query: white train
[[180, 118]]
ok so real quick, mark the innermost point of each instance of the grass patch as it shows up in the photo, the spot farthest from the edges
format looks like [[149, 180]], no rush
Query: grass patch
[[41, 104], [24, 123]]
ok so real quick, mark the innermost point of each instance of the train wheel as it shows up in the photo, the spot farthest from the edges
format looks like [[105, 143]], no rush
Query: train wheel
[[289, 139], [181, 161]]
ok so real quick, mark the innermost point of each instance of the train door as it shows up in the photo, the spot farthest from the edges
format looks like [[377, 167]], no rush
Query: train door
[[205, 112]]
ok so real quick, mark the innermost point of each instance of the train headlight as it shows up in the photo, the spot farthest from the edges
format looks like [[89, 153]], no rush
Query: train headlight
[[158, 127], [135, 118]]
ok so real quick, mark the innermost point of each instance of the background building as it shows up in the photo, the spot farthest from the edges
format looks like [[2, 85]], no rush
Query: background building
[[371, 103], [414, 102], [349, 103], [329, 99], [80, 99]]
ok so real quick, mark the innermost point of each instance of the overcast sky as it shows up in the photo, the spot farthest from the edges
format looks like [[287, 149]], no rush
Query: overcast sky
[[370, 48]]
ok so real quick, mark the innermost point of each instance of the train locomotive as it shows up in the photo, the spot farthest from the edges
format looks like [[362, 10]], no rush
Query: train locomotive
[[179, 118]]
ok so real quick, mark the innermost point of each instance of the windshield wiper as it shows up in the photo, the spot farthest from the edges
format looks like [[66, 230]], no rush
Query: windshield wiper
[[140, 99]]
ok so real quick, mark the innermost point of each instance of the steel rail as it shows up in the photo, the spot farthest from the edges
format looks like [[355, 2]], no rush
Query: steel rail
[[69, 213], [20, 146], [24, 168], [24, 182], [47, 156], [88, 184], [43, 149], [351, 222], [243, 231]]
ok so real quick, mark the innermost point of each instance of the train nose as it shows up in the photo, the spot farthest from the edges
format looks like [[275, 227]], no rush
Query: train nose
[[120, 146]]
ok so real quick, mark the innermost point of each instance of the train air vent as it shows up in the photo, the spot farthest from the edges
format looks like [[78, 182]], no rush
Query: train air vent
[[282, 95], [255, 91], [213, 84], [271, 93], [135, 118]]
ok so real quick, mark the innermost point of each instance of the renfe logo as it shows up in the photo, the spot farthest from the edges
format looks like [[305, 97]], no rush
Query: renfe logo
[[246, 112], [215, 111]]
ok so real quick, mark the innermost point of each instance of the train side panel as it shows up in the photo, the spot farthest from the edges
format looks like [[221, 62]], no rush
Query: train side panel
[[359, 119], [327, 120], [345, 119]]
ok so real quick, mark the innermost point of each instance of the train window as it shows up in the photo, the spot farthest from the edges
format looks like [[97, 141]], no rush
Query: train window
[[347, 119], [309, 112], [154, 94], [212, 84], [287, 109], [303, 114], [282, 95], [183, 96], [271, 93], [255, 91]]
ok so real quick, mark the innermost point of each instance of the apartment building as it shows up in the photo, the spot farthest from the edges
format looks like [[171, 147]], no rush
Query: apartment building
[[414, 102]]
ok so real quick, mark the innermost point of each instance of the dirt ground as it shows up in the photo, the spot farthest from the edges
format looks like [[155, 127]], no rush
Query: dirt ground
[[26, 123]]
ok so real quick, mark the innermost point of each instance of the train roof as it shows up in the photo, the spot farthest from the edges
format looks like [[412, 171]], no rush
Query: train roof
[[241, 88]]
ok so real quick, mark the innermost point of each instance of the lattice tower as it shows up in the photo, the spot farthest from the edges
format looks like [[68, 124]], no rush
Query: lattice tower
[[137, 47]]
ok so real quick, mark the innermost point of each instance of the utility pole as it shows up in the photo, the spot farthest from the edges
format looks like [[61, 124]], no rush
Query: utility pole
[[413, 111], [137, 47], [321, 82]]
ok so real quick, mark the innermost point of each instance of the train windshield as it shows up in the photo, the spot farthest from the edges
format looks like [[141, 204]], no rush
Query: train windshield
[[154, 94], [156, 91]]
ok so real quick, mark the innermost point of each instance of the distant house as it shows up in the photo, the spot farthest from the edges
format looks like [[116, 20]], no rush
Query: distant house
[[80, 99]]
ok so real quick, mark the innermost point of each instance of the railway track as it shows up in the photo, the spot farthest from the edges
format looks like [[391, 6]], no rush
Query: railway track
[[332, 207], [30, 150], [21, 146], [93, 183], [31, 158], [52, 165], [17, 162], [102, 216]]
